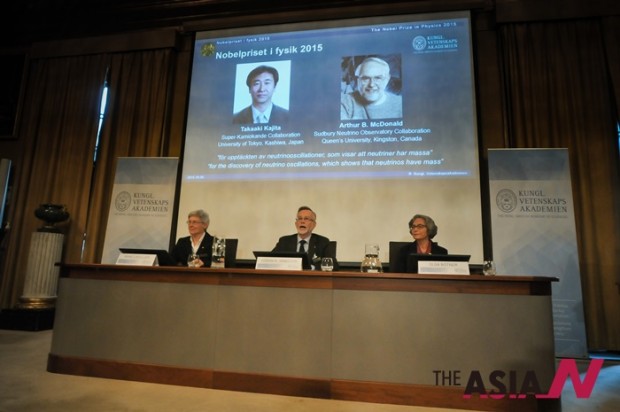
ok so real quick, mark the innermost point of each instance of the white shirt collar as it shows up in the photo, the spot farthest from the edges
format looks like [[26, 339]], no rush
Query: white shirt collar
[[299, 239], [197, 246], [266, 113]]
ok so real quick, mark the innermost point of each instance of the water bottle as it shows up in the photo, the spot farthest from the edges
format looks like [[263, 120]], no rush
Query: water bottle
[[371, 262], [219, 252]]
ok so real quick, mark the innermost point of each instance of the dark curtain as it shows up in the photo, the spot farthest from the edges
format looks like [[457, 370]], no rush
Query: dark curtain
[[559, 90], [58, 129], [136, 125], [59, 125], [611, 41], [611, 30]]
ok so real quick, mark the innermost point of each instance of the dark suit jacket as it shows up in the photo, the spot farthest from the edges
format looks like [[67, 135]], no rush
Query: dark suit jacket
[[278, 116], [401, 264], [183, 249], [317, 249]]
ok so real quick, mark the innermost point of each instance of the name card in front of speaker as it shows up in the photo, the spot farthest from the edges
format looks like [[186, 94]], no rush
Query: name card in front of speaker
[[137, 259], [437, 267], [278, 263]]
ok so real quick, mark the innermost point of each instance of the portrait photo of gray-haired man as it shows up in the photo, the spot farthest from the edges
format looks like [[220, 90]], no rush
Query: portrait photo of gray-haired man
[[367, 93]]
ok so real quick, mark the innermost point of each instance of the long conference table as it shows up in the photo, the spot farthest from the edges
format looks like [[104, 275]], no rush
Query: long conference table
[[385, 338]]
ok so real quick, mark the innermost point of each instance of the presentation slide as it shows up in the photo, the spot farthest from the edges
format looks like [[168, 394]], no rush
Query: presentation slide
[[344, 116]]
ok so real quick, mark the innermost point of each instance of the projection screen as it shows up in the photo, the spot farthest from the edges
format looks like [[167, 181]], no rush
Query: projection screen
[[365, 169]]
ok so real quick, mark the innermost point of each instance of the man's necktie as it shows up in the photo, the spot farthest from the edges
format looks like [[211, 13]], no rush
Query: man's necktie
[[302, 246]]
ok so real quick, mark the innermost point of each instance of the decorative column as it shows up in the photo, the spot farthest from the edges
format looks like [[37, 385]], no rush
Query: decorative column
[[45, 252]]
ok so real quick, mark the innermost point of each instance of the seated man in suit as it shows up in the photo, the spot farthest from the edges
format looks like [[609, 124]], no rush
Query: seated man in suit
[[316, 246], [262, 82]]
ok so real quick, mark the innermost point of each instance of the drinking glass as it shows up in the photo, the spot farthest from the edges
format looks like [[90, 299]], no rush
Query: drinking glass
[[192, 261], [327, 264], [488, 268]]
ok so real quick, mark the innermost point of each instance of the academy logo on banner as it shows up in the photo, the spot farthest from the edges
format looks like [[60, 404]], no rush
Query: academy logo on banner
[[141, 207], [142, 203], [533, 203], [533, 229]]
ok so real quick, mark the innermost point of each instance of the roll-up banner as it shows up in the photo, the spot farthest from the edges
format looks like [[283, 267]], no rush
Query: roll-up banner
[[141, 207], [533, 229]]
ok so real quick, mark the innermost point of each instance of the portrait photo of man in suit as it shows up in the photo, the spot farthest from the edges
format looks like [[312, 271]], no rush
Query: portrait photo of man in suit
[[262, 83]]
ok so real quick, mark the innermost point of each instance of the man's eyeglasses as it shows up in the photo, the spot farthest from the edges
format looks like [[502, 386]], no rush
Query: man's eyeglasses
[[375, 79], [304, 219], [194, 222], [418, 227]]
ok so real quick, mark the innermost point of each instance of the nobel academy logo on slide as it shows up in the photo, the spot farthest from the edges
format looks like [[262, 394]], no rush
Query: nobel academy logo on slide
[[207, 49], [419, 43], [434, 43], [502, 384], [436, 36]]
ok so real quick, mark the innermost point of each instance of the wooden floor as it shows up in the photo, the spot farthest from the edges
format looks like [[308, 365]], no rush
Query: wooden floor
[[26, 386]]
